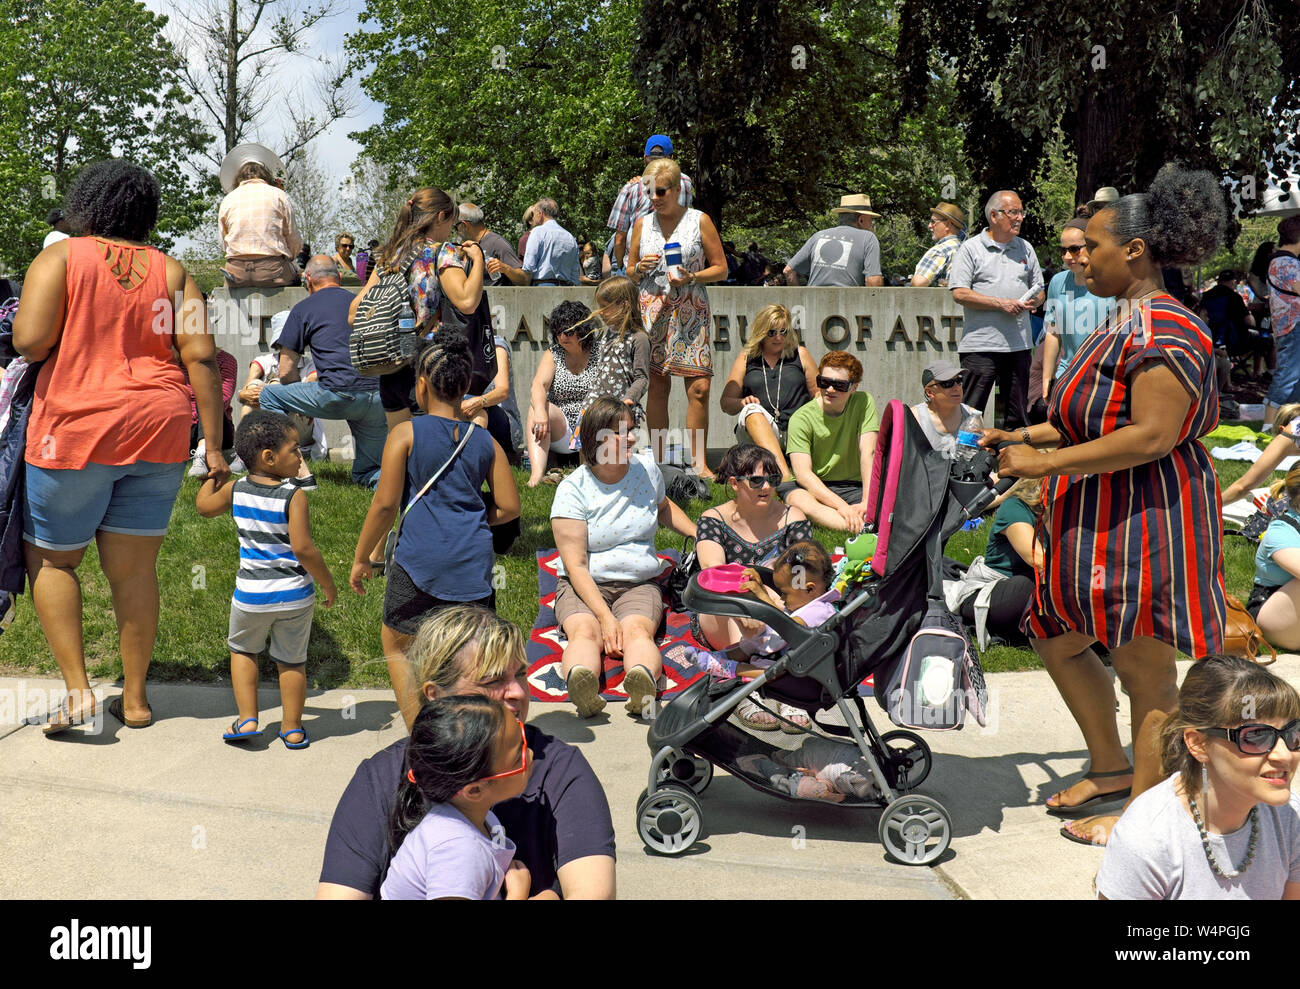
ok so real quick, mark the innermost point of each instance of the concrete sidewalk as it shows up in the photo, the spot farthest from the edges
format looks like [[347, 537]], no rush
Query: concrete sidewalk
[[170, 811]]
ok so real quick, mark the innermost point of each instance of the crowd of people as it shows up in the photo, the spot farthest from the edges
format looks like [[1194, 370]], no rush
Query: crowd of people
[[1111, 544]]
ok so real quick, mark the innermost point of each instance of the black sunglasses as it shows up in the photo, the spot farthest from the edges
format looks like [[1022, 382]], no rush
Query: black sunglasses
[[756, 481], [834, 384], [946, 384], [1259, 739], [1073, 251], [571, 331], [661, 192], [777, 333]]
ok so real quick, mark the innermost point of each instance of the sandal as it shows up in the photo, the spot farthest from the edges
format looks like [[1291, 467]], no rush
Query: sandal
[[116, 710], [799, 723], [752, 716], [65, 720], [1094, 836], [284, 737], [553, 476], [237, 733], [1065, 810]]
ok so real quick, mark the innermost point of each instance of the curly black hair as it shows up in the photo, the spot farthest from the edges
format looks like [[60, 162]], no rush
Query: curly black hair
[[261, 429], [114, 198], [446, 364], [570, 314], [1181, 217]]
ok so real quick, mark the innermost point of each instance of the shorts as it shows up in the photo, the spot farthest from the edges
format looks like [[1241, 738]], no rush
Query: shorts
[[850, 491], [753, 409], [65, 508], [397, 391], [406, 606], [563, 443], [625, 599], [290, 631]]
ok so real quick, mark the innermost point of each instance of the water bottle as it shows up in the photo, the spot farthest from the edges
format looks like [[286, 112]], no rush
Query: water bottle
[[406, 330], [968, 438]]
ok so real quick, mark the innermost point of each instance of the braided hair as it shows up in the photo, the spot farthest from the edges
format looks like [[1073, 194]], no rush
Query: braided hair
[[445, 363]]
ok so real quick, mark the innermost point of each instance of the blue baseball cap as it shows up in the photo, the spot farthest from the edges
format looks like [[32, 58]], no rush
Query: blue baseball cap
[[659, 144]]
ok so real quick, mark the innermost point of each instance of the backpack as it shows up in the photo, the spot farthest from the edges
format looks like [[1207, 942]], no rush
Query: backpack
[[936, 680], [377, 344]]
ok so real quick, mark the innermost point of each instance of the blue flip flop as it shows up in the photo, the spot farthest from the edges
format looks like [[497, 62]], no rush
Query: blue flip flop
[[237, 734], [295, 745]]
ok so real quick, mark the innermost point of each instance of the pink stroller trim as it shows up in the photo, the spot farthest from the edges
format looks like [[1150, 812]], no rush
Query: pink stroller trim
[[884, 479]]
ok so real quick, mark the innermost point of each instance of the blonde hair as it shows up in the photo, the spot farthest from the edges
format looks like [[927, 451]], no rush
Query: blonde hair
[[671, 171], [443, 636], [1030, 491], [772, 317], [1289, 485], [1284, 416], [621, 292]]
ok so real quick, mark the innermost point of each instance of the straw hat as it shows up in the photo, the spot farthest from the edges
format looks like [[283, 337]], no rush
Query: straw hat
[[240, 155], [1104, 196], [951, 213], [857, 203]]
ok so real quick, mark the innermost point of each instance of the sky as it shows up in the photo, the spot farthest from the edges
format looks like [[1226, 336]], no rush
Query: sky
[[334, 149]]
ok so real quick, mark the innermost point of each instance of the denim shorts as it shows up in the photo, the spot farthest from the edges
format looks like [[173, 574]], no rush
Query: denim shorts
[[1286, 377], [65, 508]]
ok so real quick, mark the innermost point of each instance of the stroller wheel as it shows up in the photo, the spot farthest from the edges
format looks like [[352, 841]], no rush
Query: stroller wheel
[[669, 821], [907, 759], [690, 771], [915, 829]]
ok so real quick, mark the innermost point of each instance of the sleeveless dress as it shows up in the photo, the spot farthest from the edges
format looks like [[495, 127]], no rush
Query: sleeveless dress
[[677, 319], [569, 392], [1135, 552]]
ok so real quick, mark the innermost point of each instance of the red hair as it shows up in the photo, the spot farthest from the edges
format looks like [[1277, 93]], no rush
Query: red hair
[[842, 359]]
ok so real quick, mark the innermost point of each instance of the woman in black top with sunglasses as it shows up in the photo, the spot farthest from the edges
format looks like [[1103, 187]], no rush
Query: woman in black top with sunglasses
[[769, 381], [752, 529]]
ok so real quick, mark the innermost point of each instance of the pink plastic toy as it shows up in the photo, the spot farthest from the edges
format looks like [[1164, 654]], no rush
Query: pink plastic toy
[[725, 579]]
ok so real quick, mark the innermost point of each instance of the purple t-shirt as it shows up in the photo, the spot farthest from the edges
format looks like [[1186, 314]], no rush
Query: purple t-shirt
[[446, 856], [561, 816]]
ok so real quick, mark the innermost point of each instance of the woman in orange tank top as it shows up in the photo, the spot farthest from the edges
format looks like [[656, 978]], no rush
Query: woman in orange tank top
[[109, 429]]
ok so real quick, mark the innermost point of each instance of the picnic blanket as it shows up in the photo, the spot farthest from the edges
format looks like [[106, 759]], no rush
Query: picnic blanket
[[546, 645]]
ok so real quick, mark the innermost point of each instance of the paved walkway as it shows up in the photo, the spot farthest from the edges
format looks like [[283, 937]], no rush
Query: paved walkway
[[172, 812]]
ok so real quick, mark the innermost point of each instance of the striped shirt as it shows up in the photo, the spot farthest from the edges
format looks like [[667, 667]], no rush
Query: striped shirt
[[256, 221], [270, 577], [633, 202]]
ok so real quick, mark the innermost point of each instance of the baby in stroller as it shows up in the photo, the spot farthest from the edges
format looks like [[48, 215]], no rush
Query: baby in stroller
[[821, 768]]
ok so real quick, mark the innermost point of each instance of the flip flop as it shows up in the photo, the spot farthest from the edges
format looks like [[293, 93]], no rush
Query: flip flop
[[1069, 810], [237, 734], [1067, 833], [295, 745], [115, 709], [66, 722]]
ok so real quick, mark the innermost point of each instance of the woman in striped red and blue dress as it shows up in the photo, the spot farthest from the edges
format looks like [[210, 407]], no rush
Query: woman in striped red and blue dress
[[1131, 533]]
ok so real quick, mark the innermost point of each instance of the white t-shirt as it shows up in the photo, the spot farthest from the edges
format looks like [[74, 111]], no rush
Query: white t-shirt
[[270, 365], [53, 237], [621, 518], [1155, 853]]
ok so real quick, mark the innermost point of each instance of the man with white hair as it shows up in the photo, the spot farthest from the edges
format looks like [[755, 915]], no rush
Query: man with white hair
[[996, 279], [473, 228], [320, 322]]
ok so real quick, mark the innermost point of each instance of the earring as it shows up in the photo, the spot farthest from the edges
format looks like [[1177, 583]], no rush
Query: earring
[[1205, 782]]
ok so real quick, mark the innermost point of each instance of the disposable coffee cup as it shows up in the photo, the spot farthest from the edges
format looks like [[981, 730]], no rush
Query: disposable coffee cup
[[673, 254]]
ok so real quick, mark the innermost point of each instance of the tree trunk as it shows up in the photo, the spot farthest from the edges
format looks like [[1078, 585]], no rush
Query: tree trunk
[[232, 74]]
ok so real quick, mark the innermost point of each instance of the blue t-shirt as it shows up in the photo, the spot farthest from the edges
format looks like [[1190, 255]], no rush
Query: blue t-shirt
[[1072, 313], [446, 544], [552, 254], [320, 322], [1280, 534]]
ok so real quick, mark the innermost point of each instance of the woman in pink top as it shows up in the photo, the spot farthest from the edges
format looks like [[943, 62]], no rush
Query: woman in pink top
[[109, 429]]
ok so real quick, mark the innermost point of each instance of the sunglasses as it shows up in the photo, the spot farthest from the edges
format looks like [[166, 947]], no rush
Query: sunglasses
[[1259, 739], [1074, 251], [348, 246], [566, 333], [835, 384], [523, 758], [777, 333], [945, 384], [662, 192], [756, 481]]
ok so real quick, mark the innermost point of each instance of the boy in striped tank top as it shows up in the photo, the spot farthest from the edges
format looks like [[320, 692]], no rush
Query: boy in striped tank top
[[274, 592]]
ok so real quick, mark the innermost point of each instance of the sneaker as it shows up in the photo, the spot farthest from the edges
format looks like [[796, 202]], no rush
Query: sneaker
[[307, 483], [584, 691], [237, 466], [641, 690], [200, 466]]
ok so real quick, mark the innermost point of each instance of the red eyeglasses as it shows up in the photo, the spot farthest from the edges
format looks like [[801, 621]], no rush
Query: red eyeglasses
[[523, 758]]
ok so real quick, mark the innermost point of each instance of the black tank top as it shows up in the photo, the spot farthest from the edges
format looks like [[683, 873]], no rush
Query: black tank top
[[781, 389]]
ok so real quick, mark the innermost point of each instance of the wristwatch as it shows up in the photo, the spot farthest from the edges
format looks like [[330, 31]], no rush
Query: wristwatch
[[1024, 435]]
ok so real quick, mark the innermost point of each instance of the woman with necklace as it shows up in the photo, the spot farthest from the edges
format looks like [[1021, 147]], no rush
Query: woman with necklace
[[1224, 824], [566, 376], [772, 377], [941, 413], [1131, 535]]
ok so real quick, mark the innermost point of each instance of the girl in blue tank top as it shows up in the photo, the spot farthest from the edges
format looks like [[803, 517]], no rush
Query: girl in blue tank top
[[444, 548]]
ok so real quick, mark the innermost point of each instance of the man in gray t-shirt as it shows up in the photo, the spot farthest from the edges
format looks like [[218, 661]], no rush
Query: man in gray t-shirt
[[845, 256], [473, 227], [996, 280]]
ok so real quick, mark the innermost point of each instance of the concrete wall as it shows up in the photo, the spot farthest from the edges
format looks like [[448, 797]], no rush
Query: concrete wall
[[894, 332]]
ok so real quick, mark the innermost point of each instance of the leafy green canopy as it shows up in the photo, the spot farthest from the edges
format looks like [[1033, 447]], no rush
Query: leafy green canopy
[[81, 81]]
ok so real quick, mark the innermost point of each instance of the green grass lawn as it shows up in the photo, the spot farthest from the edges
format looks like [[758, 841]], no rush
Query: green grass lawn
[[197, 575]]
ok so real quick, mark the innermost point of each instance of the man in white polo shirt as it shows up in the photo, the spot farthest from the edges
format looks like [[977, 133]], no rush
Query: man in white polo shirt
[[996, 280]]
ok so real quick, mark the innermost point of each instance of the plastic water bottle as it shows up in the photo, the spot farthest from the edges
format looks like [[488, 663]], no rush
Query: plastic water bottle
[[968, 437]]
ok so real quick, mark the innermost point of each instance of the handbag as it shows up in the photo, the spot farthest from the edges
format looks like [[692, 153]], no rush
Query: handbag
[[680, 576], [1242, 637], [390, 544]]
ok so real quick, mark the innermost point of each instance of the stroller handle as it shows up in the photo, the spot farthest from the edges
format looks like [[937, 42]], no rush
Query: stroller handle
[[976, 506]]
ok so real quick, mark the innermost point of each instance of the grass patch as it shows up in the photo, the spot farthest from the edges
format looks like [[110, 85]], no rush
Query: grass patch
[[196, 571]]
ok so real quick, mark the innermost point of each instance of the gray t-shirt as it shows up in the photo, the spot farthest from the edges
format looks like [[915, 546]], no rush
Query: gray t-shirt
[[841, 257], [496, 246], [945, 443], [1004, 271], [1155, 853]]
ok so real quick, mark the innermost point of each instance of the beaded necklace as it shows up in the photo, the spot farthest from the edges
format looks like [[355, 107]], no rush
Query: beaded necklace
[[780, 361], [1230, 872]]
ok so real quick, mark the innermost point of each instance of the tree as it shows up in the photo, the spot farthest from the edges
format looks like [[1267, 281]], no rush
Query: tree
[[370, 198], [81, 81], [1130, 84], [506, 103], [239, 44], [315, 200]]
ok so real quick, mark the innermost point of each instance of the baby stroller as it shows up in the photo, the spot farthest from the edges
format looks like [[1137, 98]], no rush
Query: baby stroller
[[918, 498]]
